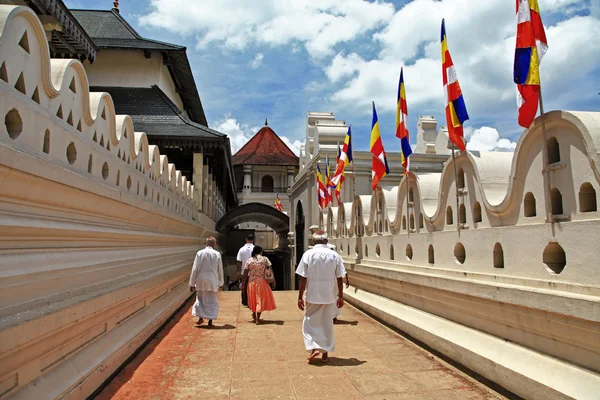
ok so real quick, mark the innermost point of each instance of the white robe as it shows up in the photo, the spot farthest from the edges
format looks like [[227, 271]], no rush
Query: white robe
[[317, 327], [206, 305]]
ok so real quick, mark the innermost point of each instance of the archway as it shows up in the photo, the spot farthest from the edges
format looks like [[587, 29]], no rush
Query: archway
[[279, 222]]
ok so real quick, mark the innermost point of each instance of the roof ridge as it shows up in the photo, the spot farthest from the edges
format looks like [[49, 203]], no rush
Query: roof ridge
[[125, 23], [178, 47]]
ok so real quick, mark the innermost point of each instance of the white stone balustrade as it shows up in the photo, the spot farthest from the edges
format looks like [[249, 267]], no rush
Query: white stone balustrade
[[97, 229]]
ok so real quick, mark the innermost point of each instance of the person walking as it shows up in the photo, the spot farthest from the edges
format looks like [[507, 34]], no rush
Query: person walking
[[206, 279], [257, 274], [320, 269], [244, 253]]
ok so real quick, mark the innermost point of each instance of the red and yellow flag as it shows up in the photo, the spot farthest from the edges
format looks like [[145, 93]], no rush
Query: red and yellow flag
[[379, 164]]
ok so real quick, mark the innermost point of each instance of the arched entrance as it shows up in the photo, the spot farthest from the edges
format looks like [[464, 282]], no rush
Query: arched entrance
[[269, 216], [299, 235]]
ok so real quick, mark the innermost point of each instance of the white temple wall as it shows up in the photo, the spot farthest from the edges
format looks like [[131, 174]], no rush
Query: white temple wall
[[131, 68], [502, 275], [97, 230]]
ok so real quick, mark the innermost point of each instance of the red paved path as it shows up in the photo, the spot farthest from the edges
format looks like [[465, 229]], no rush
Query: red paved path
[[239, 360]]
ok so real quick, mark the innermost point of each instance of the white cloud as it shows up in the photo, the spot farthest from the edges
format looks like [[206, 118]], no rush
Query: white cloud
[[319, 24], [487, 139], [481, 39], [239, 134], [257, 62]]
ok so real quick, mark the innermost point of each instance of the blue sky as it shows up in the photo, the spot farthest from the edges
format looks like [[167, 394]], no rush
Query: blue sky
[[282, 58]]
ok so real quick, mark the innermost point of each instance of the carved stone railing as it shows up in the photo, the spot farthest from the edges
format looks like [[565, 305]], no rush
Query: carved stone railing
[[97, 229], [498, 268]]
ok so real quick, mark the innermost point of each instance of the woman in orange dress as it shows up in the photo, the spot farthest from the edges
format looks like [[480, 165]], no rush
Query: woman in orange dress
[[260, 296]]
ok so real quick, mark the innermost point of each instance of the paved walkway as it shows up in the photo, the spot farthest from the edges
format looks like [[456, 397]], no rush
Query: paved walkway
[[239, 360]]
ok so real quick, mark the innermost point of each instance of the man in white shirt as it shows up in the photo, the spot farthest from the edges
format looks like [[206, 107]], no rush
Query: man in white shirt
[[206, 279], [320, 269], [243, 255]]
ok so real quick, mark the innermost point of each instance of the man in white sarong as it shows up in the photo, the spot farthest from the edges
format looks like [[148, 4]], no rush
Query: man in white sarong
[[337, 310], [206, 279], [320, 269]]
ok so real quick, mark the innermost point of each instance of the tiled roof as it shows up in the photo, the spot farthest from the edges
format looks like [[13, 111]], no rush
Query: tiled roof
[[109, 30], [154, 113], [265, 148]]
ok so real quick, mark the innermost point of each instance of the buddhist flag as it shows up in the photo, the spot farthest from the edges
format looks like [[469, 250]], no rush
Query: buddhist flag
[[530, 48], [328, 182], [338, 187], [456, 110], [344, 159], [379, 165], [402, 123], [321, 195], [278, 204]]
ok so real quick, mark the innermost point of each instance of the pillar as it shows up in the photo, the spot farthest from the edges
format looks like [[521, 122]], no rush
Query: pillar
[[290, 177], [247, 179], [197, 177]]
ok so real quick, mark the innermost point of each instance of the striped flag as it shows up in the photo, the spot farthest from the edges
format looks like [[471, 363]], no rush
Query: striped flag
[[530, 48], [338, 187], [456, 110], [278, 204], [402, 123], [321, 195], [379, 165], [344, 159]]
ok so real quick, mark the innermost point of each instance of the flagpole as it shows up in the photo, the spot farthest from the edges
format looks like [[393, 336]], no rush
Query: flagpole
[[456, 187], [548, 185], [353, 173], [407, 216]]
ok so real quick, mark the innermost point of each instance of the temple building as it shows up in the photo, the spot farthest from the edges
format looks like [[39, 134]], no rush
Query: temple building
[[264, 168], [152, 82]]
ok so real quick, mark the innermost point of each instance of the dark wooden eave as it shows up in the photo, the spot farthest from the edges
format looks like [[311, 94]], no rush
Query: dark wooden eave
[[70, 40]]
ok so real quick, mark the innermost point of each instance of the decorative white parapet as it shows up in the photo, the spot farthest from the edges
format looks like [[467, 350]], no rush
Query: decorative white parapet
[[97, 229], [501, 261]]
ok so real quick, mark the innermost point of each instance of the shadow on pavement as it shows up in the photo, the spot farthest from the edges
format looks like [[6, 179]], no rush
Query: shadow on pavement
[[342, 322], [337, 362], [215, 327]]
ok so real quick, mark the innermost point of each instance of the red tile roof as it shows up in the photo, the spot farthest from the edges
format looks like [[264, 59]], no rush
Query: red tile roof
[[265, 148]]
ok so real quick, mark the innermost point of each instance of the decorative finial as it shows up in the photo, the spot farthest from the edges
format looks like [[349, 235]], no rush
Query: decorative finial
[[266, 122], [116, 5]]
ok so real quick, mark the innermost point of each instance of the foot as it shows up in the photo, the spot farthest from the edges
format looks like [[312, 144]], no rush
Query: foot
[[313, 355], [257, 321], [210, 322], [200, 321], [253, 317], [335, 321], [325, 357]]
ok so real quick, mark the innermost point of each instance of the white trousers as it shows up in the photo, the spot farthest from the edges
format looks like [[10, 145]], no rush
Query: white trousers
[[317, 327], [206, 305]]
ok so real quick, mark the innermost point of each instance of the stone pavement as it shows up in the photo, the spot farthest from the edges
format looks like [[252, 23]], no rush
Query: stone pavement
[[239, 360]]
